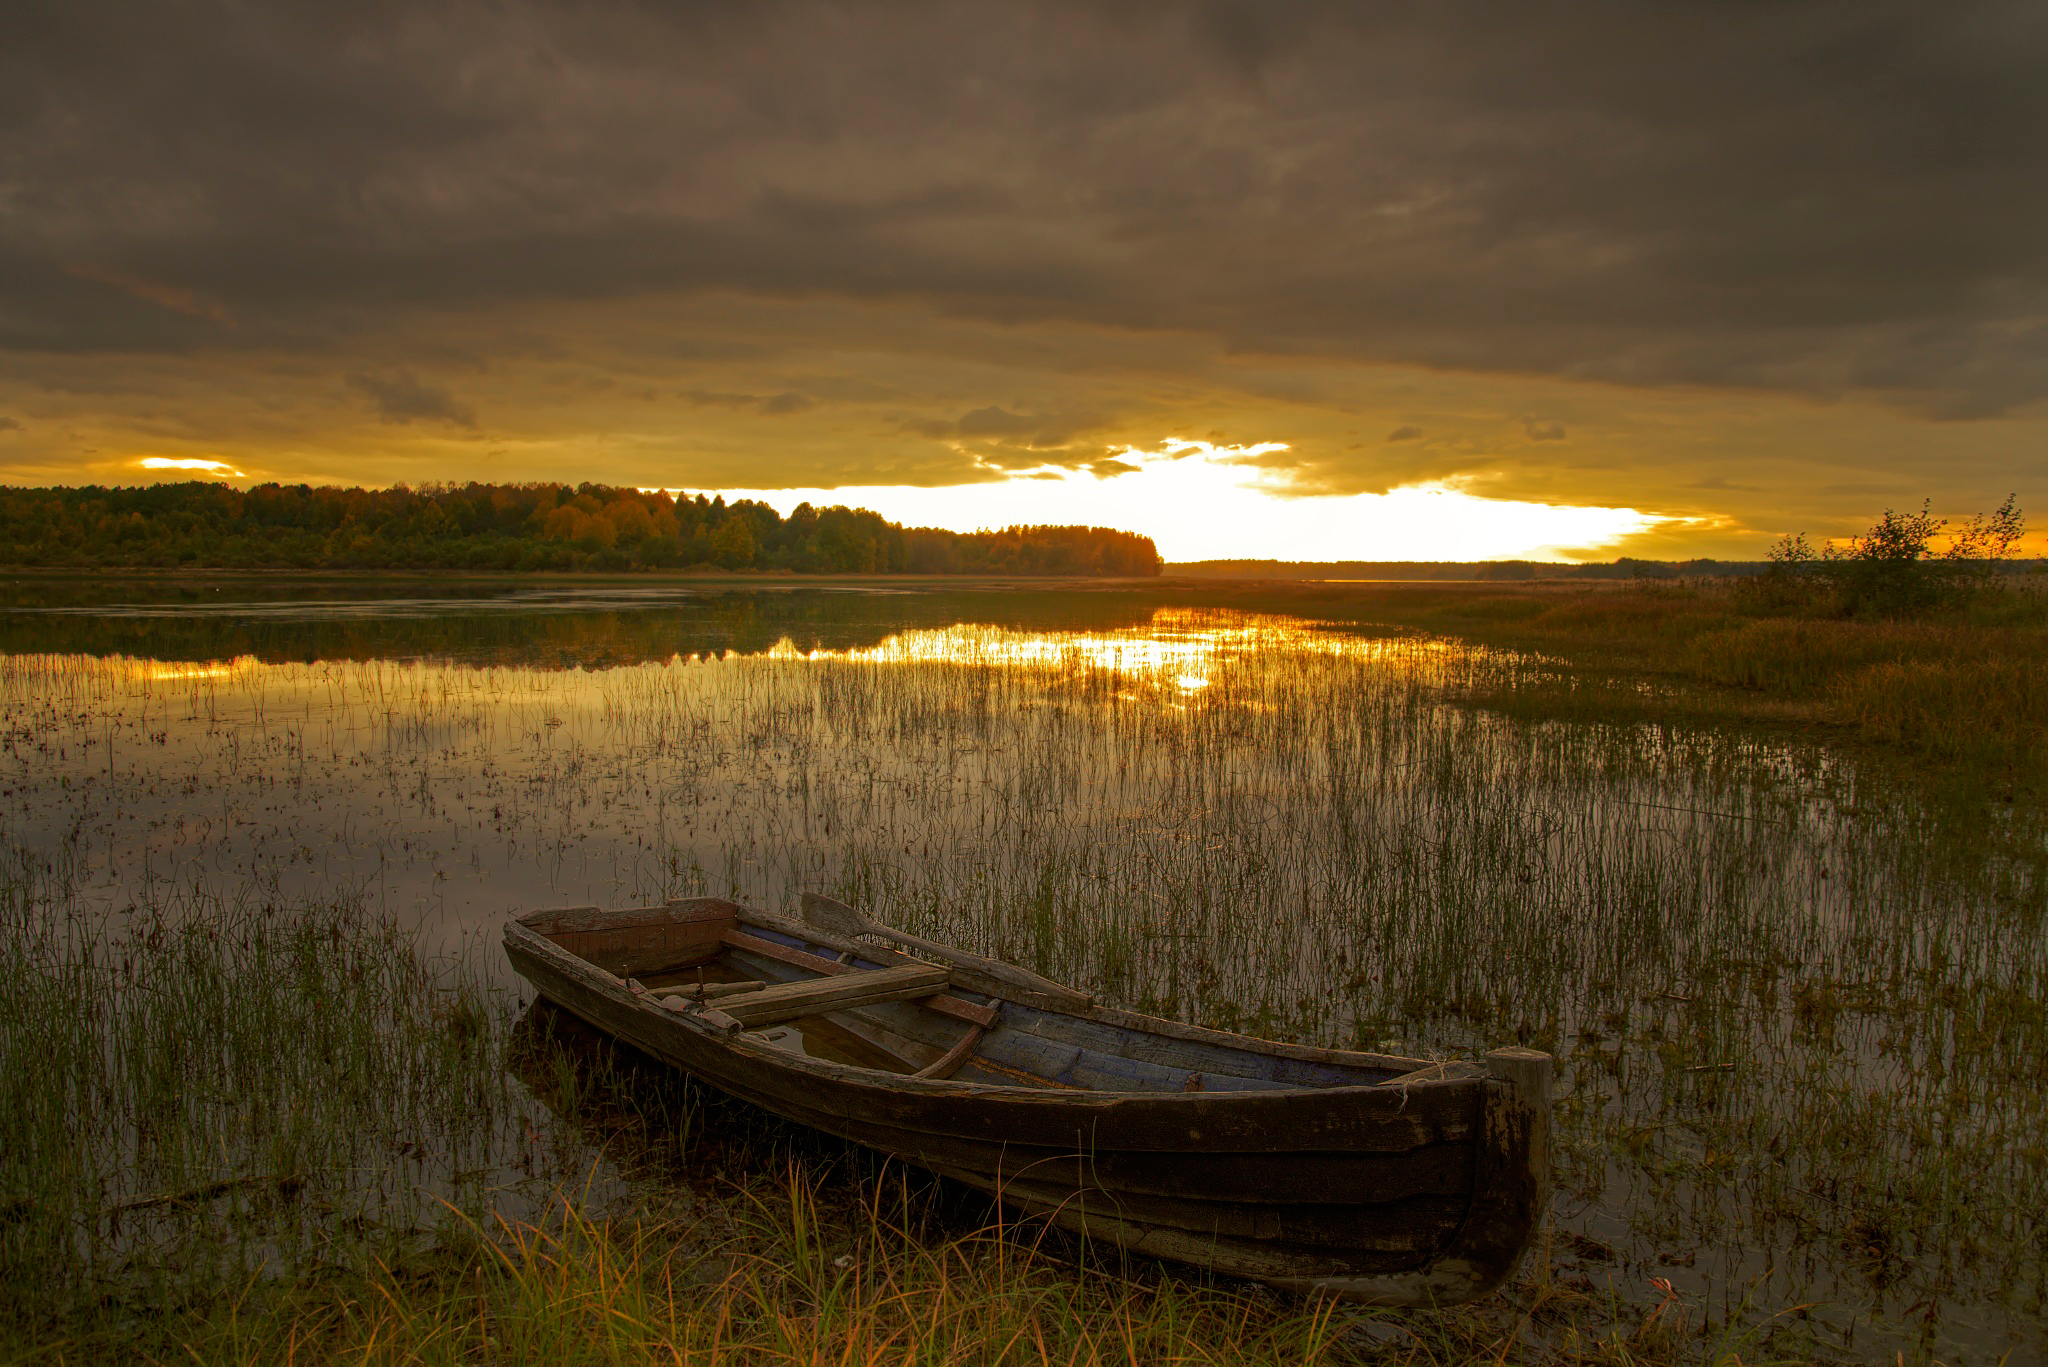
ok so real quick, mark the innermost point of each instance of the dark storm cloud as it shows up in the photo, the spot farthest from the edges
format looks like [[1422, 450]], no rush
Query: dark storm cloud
[[1010, 438], [403, 397], [1817, 197]]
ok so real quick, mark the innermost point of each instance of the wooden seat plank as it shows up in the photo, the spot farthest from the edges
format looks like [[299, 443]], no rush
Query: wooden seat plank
[[971, 1012], [788, 1001]]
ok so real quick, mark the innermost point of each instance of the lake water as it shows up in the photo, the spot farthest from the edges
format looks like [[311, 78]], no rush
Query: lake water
[[1796, 1004]]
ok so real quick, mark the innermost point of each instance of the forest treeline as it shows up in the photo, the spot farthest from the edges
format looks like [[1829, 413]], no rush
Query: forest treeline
[[486, 527]]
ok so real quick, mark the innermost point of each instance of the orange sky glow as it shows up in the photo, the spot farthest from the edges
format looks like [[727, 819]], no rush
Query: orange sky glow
[[1198, 501], [1288, 282]]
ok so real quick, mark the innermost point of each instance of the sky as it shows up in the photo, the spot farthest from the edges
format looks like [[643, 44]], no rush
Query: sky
[[1302, 281]]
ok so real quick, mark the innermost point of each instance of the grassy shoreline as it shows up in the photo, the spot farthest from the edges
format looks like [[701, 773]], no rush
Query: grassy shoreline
[[1964, 691], [170, 1203], [1797, 1014]]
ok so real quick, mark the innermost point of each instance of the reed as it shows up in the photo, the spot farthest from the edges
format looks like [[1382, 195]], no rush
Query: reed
[[1793, 996], [1950, 689], [170, 1046]]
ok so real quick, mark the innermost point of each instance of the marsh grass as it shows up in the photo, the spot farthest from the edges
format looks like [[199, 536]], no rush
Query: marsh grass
[[865, 1290], [1795, 1001], [1956, 688], [241, 1135], [204, 1093], [204, 1063]]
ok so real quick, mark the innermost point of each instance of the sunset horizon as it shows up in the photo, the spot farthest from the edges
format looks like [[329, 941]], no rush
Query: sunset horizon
[[1313, 284], [1224, 513]]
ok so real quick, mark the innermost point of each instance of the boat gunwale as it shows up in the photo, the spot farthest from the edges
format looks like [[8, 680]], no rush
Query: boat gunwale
[[1116, 1017], [1499, 1107], [616, 987]]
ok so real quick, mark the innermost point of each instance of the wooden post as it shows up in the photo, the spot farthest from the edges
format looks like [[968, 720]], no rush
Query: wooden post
[[1523, 1119]]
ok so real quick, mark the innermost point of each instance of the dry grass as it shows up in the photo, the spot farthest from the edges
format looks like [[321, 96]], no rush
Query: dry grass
[[790, 1287]]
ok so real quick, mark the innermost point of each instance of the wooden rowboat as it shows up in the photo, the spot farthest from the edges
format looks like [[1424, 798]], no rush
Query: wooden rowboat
[[1385, 1180]]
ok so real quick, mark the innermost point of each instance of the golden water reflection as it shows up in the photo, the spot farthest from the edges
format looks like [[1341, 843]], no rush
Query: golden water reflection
[[1179, 649], [169, 671]]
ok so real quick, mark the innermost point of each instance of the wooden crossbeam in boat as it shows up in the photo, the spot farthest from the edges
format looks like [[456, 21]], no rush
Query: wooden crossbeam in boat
[[971, 1012], [788, 1001], [948, 1063]]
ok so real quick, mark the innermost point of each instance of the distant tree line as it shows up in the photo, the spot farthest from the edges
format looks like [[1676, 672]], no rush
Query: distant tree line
[[484, 527]]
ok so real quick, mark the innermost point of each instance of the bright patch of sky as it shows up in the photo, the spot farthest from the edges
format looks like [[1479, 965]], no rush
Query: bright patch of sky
[[1199, 501], [204, 467]]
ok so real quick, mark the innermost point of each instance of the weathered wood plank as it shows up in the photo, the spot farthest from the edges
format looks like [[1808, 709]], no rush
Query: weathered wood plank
[[1512, 1186], [1331, 1187], [1005, 1074], [948, 1063], [1201, 1034], [904, 1031], [639, 940], [909, 1115], [635, 951], [707, 990], [1345, 1179], [827, 913], [683, 909], [1387, 1064], [944, 1004], [963, 977], [1412, 1226], [787, 1001], [1182, 1056], [1033, 1056]]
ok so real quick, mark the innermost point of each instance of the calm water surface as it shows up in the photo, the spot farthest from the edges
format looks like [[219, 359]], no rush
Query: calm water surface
[[1788, 998]]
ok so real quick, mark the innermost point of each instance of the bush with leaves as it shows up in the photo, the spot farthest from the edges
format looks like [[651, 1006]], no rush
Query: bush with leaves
[[1893, 569]]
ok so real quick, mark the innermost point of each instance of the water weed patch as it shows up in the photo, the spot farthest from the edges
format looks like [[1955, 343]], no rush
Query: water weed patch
[[1789, 991]]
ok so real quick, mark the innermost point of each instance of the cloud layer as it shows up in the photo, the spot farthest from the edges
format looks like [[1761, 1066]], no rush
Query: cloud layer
[[940, 240]]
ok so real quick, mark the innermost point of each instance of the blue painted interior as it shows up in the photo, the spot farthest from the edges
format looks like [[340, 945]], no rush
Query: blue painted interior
[[1098, 1057]]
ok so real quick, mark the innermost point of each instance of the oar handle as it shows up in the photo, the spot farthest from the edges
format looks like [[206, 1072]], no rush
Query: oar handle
[[833, 915], [988, 968]]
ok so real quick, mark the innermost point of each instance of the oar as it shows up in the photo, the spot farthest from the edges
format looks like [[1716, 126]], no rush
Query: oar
[[829, 914]]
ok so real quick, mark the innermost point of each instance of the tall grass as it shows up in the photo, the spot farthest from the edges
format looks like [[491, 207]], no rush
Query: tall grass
[[253, 1135], [202, 1093], [1950, 688], [1791, 997], [566, 1289]]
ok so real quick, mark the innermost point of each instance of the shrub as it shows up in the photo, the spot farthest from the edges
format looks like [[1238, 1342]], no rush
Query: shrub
[[1892, 570]]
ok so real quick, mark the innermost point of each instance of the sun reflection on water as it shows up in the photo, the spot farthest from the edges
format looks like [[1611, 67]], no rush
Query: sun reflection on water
[[1179, 649], [170, 671]]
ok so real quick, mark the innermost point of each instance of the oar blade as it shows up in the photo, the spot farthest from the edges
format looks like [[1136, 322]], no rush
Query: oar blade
[[827, 913]]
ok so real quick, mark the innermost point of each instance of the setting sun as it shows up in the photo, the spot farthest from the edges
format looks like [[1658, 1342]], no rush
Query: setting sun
[[1200, 501], [193, 464]]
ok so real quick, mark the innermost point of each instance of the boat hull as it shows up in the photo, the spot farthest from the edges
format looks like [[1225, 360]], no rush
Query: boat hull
[[1394, 1193]]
